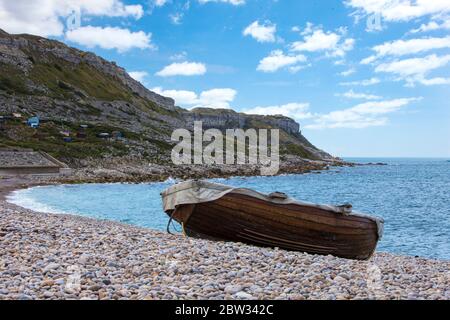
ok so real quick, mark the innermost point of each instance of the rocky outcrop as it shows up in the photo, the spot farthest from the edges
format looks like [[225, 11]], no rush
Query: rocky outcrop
[[227, 118], [278, 121], [216, 118]]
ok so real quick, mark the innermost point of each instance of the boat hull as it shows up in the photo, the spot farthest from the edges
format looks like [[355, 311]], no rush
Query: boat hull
[[243, 218]]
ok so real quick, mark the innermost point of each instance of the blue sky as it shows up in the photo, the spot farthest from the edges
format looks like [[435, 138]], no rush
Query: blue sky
[[363, 78]]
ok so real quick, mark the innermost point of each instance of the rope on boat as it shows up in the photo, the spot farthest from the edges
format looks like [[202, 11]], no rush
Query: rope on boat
[[170, 222]]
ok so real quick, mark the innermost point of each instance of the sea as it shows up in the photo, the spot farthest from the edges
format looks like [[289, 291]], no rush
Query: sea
[[411, 195]]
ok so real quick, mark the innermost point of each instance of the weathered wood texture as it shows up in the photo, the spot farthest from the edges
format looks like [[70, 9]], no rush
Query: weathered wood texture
[[237, 217]]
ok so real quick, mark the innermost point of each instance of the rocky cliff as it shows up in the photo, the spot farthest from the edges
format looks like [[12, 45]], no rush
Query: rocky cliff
[[67, 87], [227, 118]]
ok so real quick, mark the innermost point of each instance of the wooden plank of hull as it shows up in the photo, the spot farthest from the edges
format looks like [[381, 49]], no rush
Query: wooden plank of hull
[[236, 217], [182, 213]]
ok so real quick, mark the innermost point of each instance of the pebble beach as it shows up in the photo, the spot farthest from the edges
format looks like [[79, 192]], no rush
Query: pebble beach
[[51, 256]]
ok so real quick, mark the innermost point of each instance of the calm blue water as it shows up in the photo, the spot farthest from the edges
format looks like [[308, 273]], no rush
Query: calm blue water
[[412, 195]]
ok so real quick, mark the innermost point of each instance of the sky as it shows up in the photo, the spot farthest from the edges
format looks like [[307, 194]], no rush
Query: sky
[[364, 78]]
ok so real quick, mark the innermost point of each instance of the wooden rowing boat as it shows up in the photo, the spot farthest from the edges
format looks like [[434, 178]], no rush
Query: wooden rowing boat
[[219, 212]]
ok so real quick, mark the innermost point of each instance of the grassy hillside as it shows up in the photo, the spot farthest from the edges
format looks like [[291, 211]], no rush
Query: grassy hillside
[[67, 87], [49, 139]]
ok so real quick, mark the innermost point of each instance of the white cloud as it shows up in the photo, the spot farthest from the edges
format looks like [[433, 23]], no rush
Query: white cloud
[[160, 3], [261, 32], [295, 69], [354, 95], [308, 29], [138, 75], [348, 72], [176, 18], [112, 8], [218, 98], [317, 40], [294, 110], [277, 60], [233, 2], [182, 69], [47, 17], [435, 81], [406, 47], [363, 115], [179, 56], [433, 25], [364, 83], [110, 38], [414, 69], [31, 17], [368, 60], [400, 10], [181, 97]]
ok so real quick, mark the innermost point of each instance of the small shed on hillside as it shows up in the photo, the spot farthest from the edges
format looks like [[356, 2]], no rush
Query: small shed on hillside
[[33, 122], [103, 135]]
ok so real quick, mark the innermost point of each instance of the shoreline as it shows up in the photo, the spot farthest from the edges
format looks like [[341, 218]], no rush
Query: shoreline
[[5, 192], [148, 173], [65, 256], [10, 184]]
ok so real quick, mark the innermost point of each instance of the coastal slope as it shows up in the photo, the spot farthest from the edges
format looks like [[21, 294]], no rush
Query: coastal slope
[[66, 87]]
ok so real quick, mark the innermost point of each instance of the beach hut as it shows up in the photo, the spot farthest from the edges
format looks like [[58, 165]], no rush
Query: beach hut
[[103, 135], [33, 122]]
